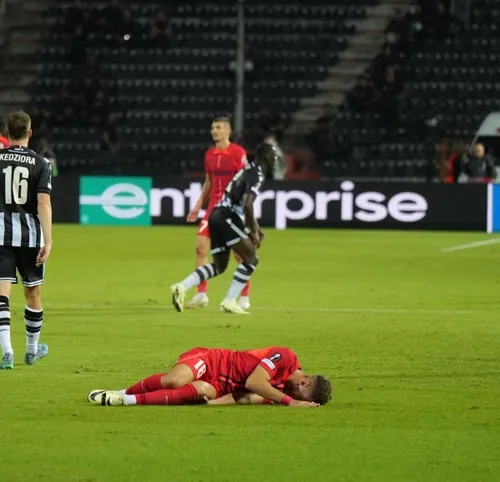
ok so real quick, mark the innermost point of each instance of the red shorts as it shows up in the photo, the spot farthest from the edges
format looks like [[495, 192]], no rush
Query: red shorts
[[197, 360], [203, 228], [204, 368]]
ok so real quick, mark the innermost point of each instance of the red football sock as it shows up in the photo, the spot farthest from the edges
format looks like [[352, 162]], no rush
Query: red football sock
[[202, 287], [246, 289], [150, 384], [177, 396]]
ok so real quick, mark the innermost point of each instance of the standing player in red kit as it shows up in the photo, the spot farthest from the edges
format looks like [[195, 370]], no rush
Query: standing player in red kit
[[273, 374], [222, 162]]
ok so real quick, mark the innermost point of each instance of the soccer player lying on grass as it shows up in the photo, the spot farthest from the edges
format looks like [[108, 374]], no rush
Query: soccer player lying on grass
[[204, 374]]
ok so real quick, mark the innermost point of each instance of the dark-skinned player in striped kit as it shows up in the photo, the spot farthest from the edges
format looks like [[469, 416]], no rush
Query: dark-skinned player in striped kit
[[228, 232]]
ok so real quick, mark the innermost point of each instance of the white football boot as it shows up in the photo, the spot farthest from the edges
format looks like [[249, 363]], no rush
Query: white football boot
[[112, 399], [95, 396], [231, 306], [178, 294], [244, 302], [200, 300]]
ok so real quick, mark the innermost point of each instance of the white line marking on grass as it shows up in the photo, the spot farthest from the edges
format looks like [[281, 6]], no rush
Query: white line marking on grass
[[121, 308], [362, 310], [477, 244]]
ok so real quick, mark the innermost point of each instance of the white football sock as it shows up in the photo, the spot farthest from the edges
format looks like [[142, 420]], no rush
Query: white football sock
[[130, 400], [33, 320], [5, 342], [240, 278], [200, 274]]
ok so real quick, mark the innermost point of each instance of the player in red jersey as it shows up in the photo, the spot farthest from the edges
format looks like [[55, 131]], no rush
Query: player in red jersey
[[273, 375], [222, 162]]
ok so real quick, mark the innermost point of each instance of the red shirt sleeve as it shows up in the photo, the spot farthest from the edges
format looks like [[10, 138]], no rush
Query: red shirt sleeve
[[280, 363], [208, 168], [240, 160]]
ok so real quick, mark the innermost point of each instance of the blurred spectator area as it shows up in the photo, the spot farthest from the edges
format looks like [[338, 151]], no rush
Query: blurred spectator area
[[154, 78], [141, 82], [433, 83]]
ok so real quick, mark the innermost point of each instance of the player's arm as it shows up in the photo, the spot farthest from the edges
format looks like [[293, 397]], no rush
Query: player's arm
[[204, 196], [258, 383], [250, 219], [44, 189], [242, 160], [205, 192], [254, 185], [45, 216], [239, 398]]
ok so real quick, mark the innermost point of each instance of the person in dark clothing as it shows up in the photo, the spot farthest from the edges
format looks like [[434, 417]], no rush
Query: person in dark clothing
[[110, 139], [160, 29], [46, 151], [271, 122], [478, 165], [322, 138]]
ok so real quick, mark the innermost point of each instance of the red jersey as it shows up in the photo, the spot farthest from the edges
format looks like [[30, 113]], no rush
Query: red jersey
[[221, 165], [229, 370], [4, 142]]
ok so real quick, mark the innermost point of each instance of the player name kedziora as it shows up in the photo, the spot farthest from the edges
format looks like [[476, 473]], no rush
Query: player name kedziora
[[17, 158]]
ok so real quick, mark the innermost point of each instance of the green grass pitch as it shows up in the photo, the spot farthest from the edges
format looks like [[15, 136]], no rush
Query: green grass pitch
[[409, 335]]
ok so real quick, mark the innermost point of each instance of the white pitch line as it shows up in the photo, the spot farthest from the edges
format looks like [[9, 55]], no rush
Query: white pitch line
[[477, 244], [362, 310], [85, 306]]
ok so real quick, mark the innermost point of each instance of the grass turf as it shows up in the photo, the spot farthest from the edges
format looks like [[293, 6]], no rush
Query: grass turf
[[408, 334]]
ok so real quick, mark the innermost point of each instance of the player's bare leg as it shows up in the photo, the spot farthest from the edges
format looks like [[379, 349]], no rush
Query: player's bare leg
[[7, 361], [245, 249], [178, 377], [200, 299], [33, 319], [244, 301]]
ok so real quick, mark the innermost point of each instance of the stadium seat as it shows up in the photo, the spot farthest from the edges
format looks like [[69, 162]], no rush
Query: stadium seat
[[166, 96]]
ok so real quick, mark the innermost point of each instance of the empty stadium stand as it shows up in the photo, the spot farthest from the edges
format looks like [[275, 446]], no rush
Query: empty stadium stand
[[161, 97], [451, 78], [165, 97]]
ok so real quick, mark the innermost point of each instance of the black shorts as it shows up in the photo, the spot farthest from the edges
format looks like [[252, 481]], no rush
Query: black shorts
[[24, 260], [226, 229]]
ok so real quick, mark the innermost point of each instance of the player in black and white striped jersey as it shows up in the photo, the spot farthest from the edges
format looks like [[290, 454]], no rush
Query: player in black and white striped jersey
[[25, 234], [229, 232]]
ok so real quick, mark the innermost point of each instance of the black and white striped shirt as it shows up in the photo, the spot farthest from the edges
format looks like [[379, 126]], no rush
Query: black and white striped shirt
[[23, 174], [247, 181]]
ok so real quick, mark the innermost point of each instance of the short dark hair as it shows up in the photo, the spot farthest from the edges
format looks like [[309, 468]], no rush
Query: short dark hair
[[18, 125], [323, 390], [222, 119], [265, 151]]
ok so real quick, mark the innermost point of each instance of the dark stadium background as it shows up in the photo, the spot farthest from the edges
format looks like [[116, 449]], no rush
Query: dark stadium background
[[376, 106]]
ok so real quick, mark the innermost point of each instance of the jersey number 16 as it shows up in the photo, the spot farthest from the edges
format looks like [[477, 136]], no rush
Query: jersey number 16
[[16, 184]]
